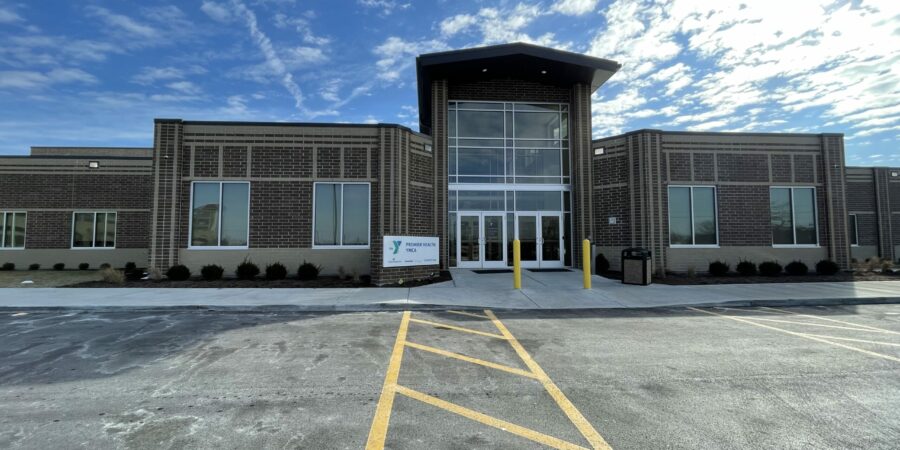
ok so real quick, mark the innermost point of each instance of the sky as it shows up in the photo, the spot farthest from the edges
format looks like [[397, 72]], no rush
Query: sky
[[94, 73]]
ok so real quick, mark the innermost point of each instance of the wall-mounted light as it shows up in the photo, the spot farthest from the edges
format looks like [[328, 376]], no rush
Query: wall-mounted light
[[93, 164], [599, 151], [484, 70], [895, 174], [543, 72]]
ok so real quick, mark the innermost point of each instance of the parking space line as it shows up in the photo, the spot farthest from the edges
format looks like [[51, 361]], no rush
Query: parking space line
[[488, 420], [803, 335], [812, 324], [466, 313], [472, 360], [853, 340], [378, 432], [454, 327], [811, 316], [575, 416]]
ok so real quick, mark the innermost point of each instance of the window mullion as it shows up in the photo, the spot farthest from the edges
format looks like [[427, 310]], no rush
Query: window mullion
[[3, 230], [691, 203], [340, 209], [793, 216], [219, 221]]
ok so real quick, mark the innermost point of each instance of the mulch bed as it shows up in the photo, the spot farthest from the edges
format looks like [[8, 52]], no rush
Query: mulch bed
[[321, 282], [683, 279]]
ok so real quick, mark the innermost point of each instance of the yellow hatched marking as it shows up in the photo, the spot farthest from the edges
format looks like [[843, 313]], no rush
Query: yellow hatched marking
[[471, 360], [454, 327], [378, 432], [803, 335], [811, 324], [811, 316], [586, 429], [488, 420], [466, 313], [853, 340]]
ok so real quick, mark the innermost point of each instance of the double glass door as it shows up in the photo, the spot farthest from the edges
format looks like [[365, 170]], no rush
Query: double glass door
[[482, 240], [540, 239]]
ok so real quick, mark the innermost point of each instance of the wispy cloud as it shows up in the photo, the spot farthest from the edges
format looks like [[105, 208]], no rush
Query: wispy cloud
[[124, 23], [25, 79]]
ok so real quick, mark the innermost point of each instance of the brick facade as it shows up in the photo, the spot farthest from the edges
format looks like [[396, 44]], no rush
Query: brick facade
[[873, 196]]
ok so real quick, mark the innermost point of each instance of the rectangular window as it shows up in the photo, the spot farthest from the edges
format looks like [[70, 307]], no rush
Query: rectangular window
[[854, 234], [692, 215], [93, 229], [220, 214], [793, 216], [341, 215], [12, 229]]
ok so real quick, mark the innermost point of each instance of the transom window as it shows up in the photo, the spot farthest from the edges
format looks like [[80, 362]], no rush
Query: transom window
[[497, 142], [341, 215], [93, 229], [793, 212], [692, 216], [220, 214], [12, 229]]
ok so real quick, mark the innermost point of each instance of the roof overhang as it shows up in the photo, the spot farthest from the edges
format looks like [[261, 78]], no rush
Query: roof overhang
[[517, 61]]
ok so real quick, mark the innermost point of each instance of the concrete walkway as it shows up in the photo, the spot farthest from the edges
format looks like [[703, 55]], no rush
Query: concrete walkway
[[544, 290]]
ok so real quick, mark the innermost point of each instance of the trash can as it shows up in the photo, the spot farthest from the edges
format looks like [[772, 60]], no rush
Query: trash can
[[636, 266]]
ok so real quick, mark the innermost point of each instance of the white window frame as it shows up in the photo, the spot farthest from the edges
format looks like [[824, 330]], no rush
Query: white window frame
[[793, 219], [3, 229], [219, 231], [693, 232], [94, 230], [341, 224], [855, 237]]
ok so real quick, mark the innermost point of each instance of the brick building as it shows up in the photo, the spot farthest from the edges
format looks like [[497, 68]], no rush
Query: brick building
[[505, 152]]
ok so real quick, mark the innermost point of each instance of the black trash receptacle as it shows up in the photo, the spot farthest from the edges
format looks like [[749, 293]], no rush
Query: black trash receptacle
[[636, 266]]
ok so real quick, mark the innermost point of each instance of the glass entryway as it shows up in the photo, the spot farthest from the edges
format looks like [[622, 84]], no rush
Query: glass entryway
[[540, 238], [482, 240]]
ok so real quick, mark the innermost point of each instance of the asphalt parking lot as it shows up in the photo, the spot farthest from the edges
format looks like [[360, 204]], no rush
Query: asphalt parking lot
[[811, 377]]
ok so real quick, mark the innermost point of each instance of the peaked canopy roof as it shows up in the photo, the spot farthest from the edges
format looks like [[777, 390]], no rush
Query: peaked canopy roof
[[517, 60]]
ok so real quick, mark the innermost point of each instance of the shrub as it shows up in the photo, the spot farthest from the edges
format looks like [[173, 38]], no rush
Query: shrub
[[692, 272], [212, 272], [112, 276], [84, 266], [769, 269], [365, 279], [59, 266], [8, 266], [601, 263], [746, 268], [873, 264], [887, 265], [130, 266], [308, 271], [34, 266], [178, 273], [718, 268], [105, 266], [276, 271], [796, 268], [827, 267], [247, 270], [155, 274]]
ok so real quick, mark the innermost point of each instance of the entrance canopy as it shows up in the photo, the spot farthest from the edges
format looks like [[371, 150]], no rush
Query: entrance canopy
[[517, 61]]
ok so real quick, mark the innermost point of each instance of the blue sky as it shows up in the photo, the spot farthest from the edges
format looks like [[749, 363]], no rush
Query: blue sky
[[97, 73]]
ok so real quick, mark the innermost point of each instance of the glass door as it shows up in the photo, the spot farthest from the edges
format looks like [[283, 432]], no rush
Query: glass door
[[540, 239], [482, 240], [494, 240], [551, 240], [527, 233], [469, 251]]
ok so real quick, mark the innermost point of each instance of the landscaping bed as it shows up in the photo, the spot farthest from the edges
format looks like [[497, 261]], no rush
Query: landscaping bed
[[700, 279], [259, 283]]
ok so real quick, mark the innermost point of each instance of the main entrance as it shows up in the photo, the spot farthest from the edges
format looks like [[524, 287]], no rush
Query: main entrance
[[540, 239], [483, 240]]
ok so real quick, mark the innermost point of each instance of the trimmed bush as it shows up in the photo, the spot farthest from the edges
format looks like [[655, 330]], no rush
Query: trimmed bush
[[718, 268], [827, 267], [247, 270], [601, 264], [84, 266], [112, 276], [8, 266], [365, 279], [178, 273], [746, 268], [308, 271], [769, 269], [212, 272], [59, 266], [34, 266], [796, 268], [276, 271], [105, 266], [130, 266]]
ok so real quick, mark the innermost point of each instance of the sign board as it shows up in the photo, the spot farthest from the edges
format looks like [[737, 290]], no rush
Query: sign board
[[405, 251]]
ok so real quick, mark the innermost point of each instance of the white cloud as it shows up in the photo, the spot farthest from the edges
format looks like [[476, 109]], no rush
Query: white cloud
[[24, 79], [385, 6], [216, 11], [397, 55], [123, 22], [574, 7], [150, 75], [185, 87], [8, 16]]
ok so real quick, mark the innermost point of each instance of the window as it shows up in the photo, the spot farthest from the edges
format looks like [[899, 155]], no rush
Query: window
[[854, 234], [341, 215], [793, 216], [692, 216], [12, 229], [220, 215], [93, 229]]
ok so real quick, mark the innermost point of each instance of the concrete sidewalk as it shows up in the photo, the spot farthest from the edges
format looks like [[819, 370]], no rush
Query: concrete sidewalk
[[544, 290]]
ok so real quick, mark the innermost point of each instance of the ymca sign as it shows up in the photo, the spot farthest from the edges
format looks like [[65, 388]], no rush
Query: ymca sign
[[405, 251]]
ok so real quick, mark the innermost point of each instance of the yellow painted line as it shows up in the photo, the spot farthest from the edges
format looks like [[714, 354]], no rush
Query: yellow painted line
[[811, 316], [803, 335], [485, 419], [585, 427], [853, 340], [472, 360], [378, 432], [811, 324], [454, 327], [466, 313]]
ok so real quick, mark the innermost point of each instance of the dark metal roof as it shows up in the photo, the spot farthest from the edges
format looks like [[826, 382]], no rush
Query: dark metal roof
[[517, 60]]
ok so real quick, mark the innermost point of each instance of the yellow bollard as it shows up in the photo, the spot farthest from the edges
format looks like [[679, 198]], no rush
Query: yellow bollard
[[586, 262], [517, 265]]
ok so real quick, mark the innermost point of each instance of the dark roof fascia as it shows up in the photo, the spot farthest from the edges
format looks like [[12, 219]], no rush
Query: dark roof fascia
[[291, 124], [712, 133], [94, 158]]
